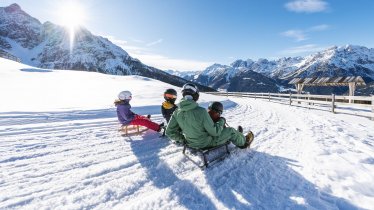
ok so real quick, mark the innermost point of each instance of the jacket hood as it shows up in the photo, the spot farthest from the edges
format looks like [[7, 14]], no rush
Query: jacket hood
[[187, 104], [121, 102]]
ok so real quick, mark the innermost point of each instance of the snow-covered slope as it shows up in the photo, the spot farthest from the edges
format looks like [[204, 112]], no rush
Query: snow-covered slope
[[26, 88], [60, 149]]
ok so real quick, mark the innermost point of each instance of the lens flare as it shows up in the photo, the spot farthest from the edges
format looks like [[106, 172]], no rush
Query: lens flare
[[71, 15]]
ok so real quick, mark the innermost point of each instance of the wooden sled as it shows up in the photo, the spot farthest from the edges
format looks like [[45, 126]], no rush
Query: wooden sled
[[132, 129], [204, 153]]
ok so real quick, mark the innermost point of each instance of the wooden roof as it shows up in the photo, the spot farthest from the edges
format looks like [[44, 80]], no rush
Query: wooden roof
[[328, 81]]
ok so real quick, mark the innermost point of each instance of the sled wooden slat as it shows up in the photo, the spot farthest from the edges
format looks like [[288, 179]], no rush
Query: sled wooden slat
[[132, 129], [204, 152]]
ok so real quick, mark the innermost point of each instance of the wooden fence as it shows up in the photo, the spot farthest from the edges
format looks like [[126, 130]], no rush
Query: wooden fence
[[354, 105], [9, 56]]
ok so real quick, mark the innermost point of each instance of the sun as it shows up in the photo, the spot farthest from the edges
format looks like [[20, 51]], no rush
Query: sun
[[71, 14]]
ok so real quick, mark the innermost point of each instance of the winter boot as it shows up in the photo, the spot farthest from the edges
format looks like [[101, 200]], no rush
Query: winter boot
[[240, 129], [248, 140], [162, 127]]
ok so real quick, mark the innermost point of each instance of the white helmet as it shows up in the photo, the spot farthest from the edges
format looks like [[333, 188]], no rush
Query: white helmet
[[125, 95]]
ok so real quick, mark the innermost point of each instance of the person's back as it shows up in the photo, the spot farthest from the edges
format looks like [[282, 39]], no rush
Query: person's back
[[196, 124], [192, 125]]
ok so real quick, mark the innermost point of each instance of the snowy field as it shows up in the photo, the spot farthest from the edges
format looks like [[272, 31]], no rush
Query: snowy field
[[60, 149]]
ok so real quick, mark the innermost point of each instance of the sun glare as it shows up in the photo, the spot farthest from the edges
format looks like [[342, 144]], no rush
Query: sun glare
[[71, 15]]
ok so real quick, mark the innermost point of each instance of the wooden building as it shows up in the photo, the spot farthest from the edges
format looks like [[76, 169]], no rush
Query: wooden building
[[350, 81]]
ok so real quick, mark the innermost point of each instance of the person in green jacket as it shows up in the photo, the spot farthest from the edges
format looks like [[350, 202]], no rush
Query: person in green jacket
[[191, 124]]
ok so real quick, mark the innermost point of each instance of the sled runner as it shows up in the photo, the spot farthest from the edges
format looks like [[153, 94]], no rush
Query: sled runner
[[218, 152], [132, 129]]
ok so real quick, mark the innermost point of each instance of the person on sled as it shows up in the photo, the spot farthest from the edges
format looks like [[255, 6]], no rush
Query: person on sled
[[192, 125], [215, 110], [127, 117], [168, 106]]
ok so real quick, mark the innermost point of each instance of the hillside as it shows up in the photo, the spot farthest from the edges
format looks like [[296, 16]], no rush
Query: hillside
[[60, 148]]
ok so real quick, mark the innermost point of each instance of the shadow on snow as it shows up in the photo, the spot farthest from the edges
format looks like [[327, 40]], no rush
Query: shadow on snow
[[257, 180], [245, 180], [185, 192]]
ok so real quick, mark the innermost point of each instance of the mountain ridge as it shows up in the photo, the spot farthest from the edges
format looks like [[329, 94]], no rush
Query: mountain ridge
[[348, 60]]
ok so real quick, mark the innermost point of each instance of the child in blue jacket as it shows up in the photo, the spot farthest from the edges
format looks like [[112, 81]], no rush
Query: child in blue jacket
[[127, 117]]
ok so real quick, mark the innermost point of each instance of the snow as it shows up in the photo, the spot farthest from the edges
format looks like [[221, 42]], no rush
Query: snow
[[26, 55], [60, 149]]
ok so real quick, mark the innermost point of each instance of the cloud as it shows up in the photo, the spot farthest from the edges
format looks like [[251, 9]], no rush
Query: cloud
[[137, 40], [301, 35], [154, 43], [307, 6], [115, 40], [321, 27], [146, 56], [166, 63], [303, 49], [298, 35], [124, 44]]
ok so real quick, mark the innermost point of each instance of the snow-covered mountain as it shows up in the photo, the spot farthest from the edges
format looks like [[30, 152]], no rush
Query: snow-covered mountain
[[348, 60], [48, 46], [188, 75], [336, 61], [270, 68], [236, 77]]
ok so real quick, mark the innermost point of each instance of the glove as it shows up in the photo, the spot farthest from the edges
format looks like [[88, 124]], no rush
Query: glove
[[224, 120]]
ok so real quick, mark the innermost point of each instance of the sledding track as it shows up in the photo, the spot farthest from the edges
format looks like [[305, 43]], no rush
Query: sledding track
[[77, 160]]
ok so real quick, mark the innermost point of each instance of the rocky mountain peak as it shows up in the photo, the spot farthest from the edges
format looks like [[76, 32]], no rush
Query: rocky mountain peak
[[15, 11], [239, 63], [13, 8], [242, 63], [19, 26]]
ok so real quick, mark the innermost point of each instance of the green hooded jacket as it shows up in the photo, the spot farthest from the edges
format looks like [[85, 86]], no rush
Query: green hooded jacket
[[192, 124]]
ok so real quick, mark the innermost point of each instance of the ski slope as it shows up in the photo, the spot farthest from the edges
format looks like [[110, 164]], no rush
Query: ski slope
[[60, 149]]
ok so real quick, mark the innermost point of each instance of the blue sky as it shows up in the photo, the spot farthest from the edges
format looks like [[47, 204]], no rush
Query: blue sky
[[193, 34]]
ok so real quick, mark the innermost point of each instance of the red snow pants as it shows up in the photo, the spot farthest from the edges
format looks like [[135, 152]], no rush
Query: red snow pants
[[144, 121]]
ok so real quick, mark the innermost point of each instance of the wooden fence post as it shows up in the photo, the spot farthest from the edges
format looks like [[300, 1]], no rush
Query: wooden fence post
[[269, 96], [333, 103], [308, 101], [290, 99], [372, 106]]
